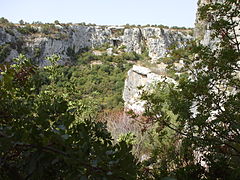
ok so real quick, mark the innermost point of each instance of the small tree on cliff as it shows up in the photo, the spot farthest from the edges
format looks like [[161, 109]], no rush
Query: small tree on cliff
[[206, 101]]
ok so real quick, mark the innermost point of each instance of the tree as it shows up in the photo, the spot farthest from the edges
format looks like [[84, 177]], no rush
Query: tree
[[3, 20], [21, 22], [44, 137], [205, 102], [56, 22]]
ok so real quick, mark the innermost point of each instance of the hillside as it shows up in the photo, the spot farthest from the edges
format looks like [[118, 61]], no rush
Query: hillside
[[38, 41], [85, 101]]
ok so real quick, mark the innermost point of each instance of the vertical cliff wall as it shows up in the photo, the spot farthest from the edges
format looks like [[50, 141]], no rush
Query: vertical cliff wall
[[74, 38], [141, 76], [141, 79], [202, 30]]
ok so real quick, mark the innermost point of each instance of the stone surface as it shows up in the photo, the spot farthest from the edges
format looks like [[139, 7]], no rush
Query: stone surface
[[202, 32], [78, 37], [140, 79]]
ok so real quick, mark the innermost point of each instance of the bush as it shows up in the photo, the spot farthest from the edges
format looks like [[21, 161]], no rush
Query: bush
[[133, 56], [28, 29], [37, 53], [3, 21], [48, 28], [4, 52], [44, 134]]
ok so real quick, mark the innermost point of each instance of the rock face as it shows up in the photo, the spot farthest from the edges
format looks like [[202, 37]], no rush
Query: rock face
[[74, 38], [202, 32], [140, 79], [156, 40]]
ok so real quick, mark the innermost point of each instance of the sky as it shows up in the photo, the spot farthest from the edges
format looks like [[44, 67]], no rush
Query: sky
[[102, 12]]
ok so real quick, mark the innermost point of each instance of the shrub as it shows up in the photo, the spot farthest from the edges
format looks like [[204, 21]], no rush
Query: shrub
[[4, 51], [28, 29], [3, 20]]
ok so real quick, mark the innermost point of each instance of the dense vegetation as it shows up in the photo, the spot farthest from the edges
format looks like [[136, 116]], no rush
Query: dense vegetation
[[201, 114], [47, 134], [52, 115], [102, 83], [49, 126]]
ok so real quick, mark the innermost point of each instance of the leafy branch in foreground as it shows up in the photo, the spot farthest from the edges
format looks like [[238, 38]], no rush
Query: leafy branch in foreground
[[205, 104], [42, 137]]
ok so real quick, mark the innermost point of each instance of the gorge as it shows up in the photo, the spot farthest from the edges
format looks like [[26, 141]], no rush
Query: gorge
[[124, 102]]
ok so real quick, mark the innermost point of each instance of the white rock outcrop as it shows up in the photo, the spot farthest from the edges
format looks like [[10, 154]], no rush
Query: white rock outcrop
[[77, 37], [140, 79]]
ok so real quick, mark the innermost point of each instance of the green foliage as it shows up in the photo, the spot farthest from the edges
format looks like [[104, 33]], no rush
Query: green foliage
[[3, 20], [117, 32], [6, 24], [26, 29], [48, 29], [4, 51], [71, 53], [122, 47], [43, 135], [131, 56], [205, 103], [87, 57], [103, 47], [127, 26], [182, 28], [21, 22], [37, 53], [37, 23], [56, 22], [129, 138], [103, 83]]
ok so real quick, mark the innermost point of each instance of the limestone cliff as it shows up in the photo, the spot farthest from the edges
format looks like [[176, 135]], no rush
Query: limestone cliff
[[141, 76], [202, 30], [141, 79], [74, 38]]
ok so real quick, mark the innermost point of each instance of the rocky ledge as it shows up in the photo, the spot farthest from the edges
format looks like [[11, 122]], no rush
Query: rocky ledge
[[64, 40], [141, 79]]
